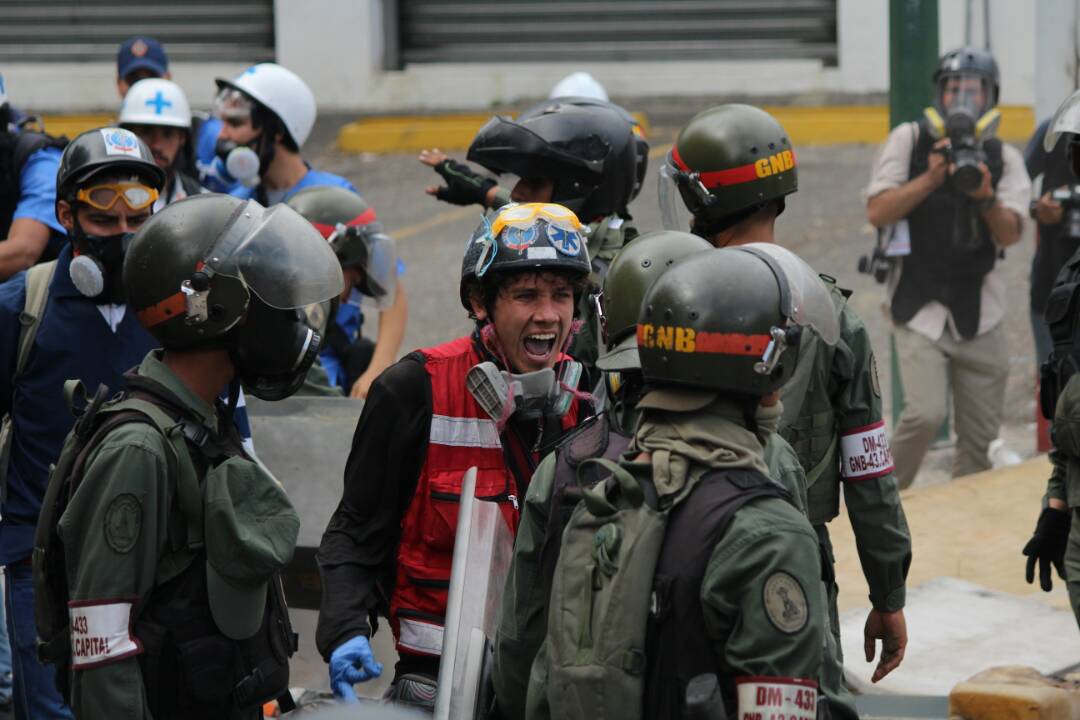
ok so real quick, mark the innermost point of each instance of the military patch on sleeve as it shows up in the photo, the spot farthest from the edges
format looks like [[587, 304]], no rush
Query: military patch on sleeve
[[785, 603], [875, 383], [123, 522]]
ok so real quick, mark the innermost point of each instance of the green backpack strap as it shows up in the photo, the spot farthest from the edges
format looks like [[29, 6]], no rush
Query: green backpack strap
[[596, 498], [38, 279]]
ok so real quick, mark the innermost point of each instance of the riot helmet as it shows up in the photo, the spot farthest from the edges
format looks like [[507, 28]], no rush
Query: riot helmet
[[727, 320], [728, 162], [1066, 121], [98, 169], [586, 147], [629, 276], [216, 272], [344, 218], [543, 237]]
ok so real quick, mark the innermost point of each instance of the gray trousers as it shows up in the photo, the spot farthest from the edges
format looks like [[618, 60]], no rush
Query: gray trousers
[[976, 370]]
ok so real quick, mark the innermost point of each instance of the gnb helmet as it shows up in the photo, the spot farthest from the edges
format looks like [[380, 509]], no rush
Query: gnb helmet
[[347, 222], [155, 101], [629, 276], [214, 271], [725, 164], [586, 147], [530, 236], [279, 90], [730, 320]]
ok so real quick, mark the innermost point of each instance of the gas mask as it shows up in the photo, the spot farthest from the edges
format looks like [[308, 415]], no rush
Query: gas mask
[[97, 265], [274, 349], [524, 396], [239, 162], [969, 120]]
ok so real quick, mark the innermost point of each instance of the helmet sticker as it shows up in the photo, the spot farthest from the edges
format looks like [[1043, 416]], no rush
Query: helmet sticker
[[540, 253], [120, 142], [567, 241], [519, 238]]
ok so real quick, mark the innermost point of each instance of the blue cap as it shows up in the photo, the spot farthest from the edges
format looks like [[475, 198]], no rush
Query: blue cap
[[141, 52]]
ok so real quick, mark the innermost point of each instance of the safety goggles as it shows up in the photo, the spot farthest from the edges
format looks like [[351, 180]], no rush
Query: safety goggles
[[104, 197], [525, 216], [231, 104]]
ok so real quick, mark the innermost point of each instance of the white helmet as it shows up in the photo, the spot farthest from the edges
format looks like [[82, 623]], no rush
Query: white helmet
[[282, 92], [155, 101], [579, 84]]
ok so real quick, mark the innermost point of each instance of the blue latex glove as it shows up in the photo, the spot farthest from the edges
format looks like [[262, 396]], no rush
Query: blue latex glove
[[351, 662]]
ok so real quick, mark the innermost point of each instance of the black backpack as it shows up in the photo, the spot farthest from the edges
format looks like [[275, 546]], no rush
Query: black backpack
[[16, 147]]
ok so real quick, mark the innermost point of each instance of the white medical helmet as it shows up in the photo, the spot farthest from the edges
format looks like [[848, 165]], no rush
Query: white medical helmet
[[155, 101], [282, 92], [579, 84]]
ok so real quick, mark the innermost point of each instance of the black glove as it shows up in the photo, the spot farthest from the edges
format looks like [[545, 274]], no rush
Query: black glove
[[1047, 546], [463, 186]]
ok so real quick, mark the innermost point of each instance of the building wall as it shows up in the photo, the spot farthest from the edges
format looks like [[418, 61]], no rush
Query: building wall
[[336, 45]]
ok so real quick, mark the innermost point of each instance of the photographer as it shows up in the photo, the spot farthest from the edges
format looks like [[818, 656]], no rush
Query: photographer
[[956, 196], [1057, 211]]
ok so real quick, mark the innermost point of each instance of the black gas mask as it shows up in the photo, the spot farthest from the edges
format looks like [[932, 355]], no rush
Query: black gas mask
[[274, 349], [965, 114], [97, 265]]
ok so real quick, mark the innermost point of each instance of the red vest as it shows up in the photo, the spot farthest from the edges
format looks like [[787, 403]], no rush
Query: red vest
[[462, 435]]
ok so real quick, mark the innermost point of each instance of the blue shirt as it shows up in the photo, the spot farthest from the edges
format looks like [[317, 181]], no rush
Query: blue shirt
[[73, 341], [209, 165], [313, 178], [349, 318], [37, 194]]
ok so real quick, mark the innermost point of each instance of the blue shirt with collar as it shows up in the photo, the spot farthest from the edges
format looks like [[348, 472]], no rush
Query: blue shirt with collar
[[313, 178], [73, 341], [37, 194]]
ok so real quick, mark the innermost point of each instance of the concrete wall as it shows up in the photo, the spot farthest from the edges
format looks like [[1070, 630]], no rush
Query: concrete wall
[[336, 45]]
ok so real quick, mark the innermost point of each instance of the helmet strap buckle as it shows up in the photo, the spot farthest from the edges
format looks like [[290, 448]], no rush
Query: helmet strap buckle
[[196, 290], [781, 339]]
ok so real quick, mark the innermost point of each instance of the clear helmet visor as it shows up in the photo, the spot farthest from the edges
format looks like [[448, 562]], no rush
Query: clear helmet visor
[[967, 93], [673, 211], [381, 268], [811, 304], [1066, 120], [230, 103], [279, 256]]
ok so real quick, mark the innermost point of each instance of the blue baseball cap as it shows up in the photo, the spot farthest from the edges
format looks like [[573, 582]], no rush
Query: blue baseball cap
[[141, 53]]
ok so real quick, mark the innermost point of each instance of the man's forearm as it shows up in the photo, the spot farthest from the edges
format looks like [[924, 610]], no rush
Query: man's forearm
[[392, 323], [1004, 224], [891, 206], [25, 242]]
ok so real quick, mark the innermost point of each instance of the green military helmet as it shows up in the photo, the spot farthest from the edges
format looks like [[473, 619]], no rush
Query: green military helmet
[[110, 149], [631, 273], [720, 321], [527, 236], [214, 271], [725, 164]]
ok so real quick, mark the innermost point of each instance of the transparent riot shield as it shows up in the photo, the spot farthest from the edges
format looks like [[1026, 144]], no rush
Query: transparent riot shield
[[482, 552]]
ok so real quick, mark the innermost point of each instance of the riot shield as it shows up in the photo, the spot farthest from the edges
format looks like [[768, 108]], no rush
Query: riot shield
[[304, 442], [482, 552]]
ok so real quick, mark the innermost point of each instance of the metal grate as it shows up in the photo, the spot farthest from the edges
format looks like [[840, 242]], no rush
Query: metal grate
[[87, 31], [596, 30]]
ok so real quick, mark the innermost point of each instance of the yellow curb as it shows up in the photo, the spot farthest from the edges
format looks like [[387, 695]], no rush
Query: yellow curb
[[72, 125], [848, 124], [413, 133]]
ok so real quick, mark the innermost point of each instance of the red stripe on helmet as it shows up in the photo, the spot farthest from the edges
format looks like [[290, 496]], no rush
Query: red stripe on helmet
[[365, 218], [716, 178]]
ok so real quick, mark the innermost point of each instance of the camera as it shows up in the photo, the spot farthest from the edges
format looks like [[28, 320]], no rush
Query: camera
[[1069, 197], [966, 154], [876, 262]]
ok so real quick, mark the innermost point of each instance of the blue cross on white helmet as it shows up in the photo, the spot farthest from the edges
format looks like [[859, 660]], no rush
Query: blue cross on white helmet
[[159, 103]]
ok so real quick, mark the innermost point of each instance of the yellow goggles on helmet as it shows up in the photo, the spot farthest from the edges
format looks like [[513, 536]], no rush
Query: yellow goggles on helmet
[[527, 214], [104, 197]]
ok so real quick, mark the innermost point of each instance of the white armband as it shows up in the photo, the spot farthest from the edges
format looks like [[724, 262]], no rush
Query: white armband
[[864, 452], [776, 698], [101, 632]]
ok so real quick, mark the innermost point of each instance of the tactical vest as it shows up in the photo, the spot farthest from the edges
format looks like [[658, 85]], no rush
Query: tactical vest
[[626, 630], [1063, 320], [15, 150], [188, 667], [809, 422], [951, 246], [461, 436], [1054, 247], [597, 437]]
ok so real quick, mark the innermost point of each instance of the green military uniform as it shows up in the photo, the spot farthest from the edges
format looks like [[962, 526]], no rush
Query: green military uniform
[[121, 531], [841, 396], [1064, 483], [767, 538]]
